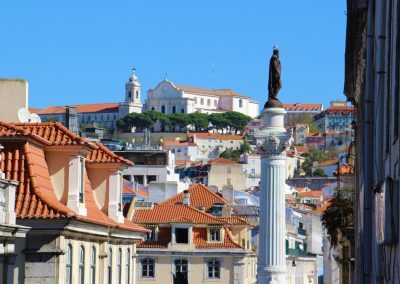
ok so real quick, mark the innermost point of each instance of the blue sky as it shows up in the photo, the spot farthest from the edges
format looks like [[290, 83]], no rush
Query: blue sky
[[74, 52]]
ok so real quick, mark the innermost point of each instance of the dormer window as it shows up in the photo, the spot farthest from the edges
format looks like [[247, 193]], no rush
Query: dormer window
[[215, 235], [182, 235]]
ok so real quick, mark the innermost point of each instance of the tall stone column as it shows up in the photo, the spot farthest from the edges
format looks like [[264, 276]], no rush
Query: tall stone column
[[272, 141]]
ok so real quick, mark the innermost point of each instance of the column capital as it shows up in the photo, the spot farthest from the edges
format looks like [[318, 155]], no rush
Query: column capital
[[274, 144]]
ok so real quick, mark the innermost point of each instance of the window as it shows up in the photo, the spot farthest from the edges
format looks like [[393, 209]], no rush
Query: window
[[208, 102], [68, 265], [148, 267], [128, 266], [151, 236], [181, 235], [228, 170], [137, 94], [151, 178], [119, 263], [109, 268], [182, 110], [93, 266], [138, 179], [82, 265], [228, 181], [215, 103], [163, 109], [202, 101], [181, 268], [82, 179], [195, 100], [215, 235], [240, 103], [173, 109], [153, 108], [213, 268], [130, 94]]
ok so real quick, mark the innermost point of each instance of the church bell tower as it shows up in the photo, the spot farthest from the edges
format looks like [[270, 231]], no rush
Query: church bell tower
[[132, 101]]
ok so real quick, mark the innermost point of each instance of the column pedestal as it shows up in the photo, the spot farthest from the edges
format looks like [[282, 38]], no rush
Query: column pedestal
[[272, 141]]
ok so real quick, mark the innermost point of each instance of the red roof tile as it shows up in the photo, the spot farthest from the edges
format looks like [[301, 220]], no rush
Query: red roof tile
[[200, 196], [161, 214], [222, 161], [200, 240], [163, 239], [105, 107], [306, 107], [311, 193], [234, 220]]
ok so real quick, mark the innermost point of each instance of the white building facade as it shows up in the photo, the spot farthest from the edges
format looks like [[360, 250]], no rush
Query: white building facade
[[167, 97]]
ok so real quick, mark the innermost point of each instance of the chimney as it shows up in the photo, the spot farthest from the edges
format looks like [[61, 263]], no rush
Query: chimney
[[71, 119], [186, 198]]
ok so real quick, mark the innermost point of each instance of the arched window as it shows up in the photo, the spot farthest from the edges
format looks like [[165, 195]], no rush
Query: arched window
[[240, 103], [147, 268], [163, 109], [129, 94], [213, 268], [68, 265], [137, 94], [128, 266], [82, 265], [152, 108], [93, 266], [109, 265], [119, 263], [173, 109], [182, 110]]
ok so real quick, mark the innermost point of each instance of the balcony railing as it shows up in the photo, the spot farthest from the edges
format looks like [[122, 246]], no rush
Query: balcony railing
[[296, 252]]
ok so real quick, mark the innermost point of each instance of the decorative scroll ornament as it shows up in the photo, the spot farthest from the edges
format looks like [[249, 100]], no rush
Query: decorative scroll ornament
[[275, 143]]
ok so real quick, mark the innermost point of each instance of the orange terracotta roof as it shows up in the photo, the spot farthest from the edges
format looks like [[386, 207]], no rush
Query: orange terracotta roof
[[103, 155], [296, 107], [200, 195], [234, 220], [326, 163], [312, 193], [35, 196], [320, 210], [163, 239], [345, 169], [56, 134], [221, 92], [34, 110], [222, 161], [200, 240], [86, 108], [215, 136], [161, 214], [302, 149]]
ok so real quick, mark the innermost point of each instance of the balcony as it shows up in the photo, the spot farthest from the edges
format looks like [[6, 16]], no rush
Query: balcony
[[296, 252]]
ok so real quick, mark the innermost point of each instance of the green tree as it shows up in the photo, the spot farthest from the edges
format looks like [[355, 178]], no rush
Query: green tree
[[245, 147], [178, 120], [157, 116], [218, 121], [319, 173], [236, 121], [199, 121], [305, 119], [137, 120]]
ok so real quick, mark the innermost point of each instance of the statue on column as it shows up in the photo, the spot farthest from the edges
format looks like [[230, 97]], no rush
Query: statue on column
[[274, 80]]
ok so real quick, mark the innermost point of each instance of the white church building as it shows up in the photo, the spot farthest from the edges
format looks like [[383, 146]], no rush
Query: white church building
[[167, 97]]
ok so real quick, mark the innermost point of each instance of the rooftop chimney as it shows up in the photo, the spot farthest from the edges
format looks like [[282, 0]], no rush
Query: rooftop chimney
[[186, 198]]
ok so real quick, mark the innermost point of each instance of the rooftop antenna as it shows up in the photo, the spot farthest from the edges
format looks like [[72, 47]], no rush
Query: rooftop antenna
[[166, 75], [133, 70]]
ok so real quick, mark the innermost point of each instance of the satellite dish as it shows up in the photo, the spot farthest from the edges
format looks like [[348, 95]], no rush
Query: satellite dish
[[35, 117], [24, 115], [301, 246]]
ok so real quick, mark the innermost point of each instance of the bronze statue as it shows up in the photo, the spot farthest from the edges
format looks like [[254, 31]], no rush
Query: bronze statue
[[274, 80]]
